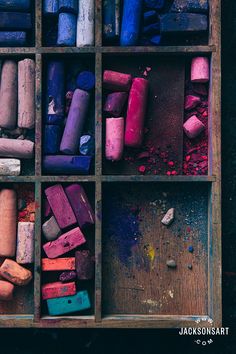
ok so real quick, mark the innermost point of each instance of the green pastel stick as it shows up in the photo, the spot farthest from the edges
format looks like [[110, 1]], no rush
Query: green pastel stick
[[69, 304]]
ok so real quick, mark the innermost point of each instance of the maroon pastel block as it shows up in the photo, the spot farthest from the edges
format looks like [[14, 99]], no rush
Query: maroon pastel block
[[115, 103], [65, 243], [47, 209], [68, 276], [80, 204], [84, 264], [60, 206]]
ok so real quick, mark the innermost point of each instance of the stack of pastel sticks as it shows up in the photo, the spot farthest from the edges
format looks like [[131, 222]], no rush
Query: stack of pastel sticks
[[66, 149], [70, 261], [17, 114], [15, 23], [152, 22], [16, 246], [74, 22]]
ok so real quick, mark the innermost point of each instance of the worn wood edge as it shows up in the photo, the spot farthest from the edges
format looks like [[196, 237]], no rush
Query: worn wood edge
[[37, 252], [154, 178], [38, 115]]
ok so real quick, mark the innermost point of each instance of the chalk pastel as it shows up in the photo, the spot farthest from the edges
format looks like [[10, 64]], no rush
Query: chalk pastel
[[149, 17], [15, 273], [51, 230], [66, 30], [80, 205], [50, 7], [60, 206], [115, 102], [22, 149], [25, 243], [183, 23], [200, 70], [15, 20], [154, 4], [136, 113], [69, 304], [68, 276], [111, 19], [84, 264], [65, 243], [57, 290], [116, 81], [15, 5], [13, 39], [85, 80], [67, 165], [151, 29], [52, 139], [131, 20], [68, 6], [50, 265], [114, 138], [6, 290], [193, 127], [199, 6], [87, 145], [85, 23]]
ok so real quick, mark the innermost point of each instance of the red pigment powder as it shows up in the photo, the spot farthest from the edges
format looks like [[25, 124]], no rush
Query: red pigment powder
[[26, 193]]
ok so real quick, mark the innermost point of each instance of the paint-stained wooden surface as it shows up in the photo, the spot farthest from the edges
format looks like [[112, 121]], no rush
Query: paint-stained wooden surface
[[206, 274]]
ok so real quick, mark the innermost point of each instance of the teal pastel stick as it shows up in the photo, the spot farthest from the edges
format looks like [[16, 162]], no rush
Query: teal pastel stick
[[69, 304]]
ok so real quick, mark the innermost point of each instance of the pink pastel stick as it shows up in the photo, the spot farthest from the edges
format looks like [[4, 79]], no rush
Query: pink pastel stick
[[64, 243], [115, 81], [136, 113], [114, 138], [193, 127], [200, 70]]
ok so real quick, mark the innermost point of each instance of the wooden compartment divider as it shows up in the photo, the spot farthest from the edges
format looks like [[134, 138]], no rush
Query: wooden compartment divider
[[213, 180]]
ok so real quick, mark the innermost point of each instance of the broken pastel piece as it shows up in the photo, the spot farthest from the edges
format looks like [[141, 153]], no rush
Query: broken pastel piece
[[200, 70], [169, 217], [16, 20], [115, 102], [50, 7], [114, 138], [25, 243], [49, 265], [87, 145], [84, 264], [69, 304], [191, 102], [12, 39], [67, 165], [10, 167], [57, 290], [15, 273], [6, 290], [51, 230], [60, 206], [66, 30], [65, 243], [116, 81], [173, 23], [68, 276], [80, 205], [193, 127]]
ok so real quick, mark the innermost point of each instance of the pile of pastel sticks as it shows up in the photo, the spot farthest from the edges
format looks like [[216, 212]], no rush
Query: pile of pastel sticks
[[75, 21], [15, 23]]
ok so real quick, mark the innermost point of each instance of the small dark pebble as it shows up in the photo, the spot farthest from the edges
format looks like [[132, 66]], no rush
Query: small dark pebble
[[190, 249], [190, 266], [171, 263], [68, 276]]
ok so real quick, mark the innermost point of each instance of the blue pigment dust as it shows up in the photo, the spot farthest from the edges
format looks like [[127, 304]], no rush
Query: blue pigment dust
[[121, 225]]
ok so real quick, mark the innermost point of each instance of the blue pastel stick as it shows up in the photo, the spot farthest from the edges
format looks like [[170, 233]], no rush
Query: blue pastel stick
[[154, 4], [131, 22], [16, 39], [50, 7], [55, 93], [85, 80], [52, 139], [68, 6], [154, 28], [15, 5], [67, 165], [69, 304], [67, 28], [149, 17], [111, 19], [156, 40]]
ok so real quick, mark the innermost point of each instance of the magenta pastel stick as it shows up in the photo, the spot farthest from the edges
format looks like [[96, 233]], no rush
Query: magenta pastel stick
[[193, 127], [75, 122], [115, 103], [115, 81], [114, 138], [136, 113], [80, 205], [60, 206], [200, 70]]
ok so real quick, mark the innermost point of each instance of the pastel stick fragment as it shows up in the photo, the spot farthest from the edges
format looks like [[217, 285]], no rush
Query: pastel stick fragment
[[6, 290], [15, 5], [57, 290], [115, 102], [198, 6], [65, 243], [58, 264], [66, 30], [69, 304], [60, 206], [51, 230], [22, 149], [183, 23], [67, 165], [68, 276], [80, 205], [84, 263], [52, 139], [116, 81], [25, 243], [50, 7], [13, 38], [111, 19], [15, 273]]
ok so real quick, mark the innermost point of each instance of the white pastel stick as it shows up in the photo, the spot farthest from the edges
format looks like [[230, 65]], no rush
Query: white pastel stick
[[85, 23], [10, 167]]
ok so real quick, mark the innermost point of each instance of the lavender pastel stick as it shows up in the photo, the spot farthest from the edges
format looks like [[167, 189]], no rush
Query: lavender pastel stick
[[67, 165], [115, 103], [55, 92], [52, 139], [75, 122]]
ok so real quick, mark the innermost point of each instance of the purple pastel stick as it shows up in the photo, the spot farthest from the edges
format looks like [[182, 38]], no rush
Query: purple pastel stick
[[80, 204], [115, 103], [68, 276], [75, 122], [67, 165]]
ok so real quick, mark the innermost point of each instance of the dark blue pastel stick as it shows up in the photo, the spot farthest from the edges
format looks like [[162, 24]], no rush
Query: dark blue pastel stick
[[149, 17], [156, 40], [52, 139], [68, 6], [154, 28], [67, 165], [15, 21], [16, 38], [85, 80], [66, 29], [111, 19], [131, 20], [55, 98], [154, 4], [50, 7], [15, 5]]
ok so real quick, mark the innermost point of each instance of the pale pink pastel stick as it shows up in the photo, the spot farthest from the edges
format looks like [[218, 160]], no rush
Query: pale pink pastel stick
[[114, 138], [200, 70], [193, 127]]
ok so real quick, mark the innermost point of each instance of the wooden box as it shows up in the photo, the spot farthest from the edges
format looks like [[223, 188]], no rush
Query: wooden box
[[136, 295]]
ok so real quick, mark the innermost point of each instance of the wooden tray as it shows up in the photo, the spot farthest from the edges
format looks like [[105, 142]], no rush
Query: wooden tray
[[181, 300]]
